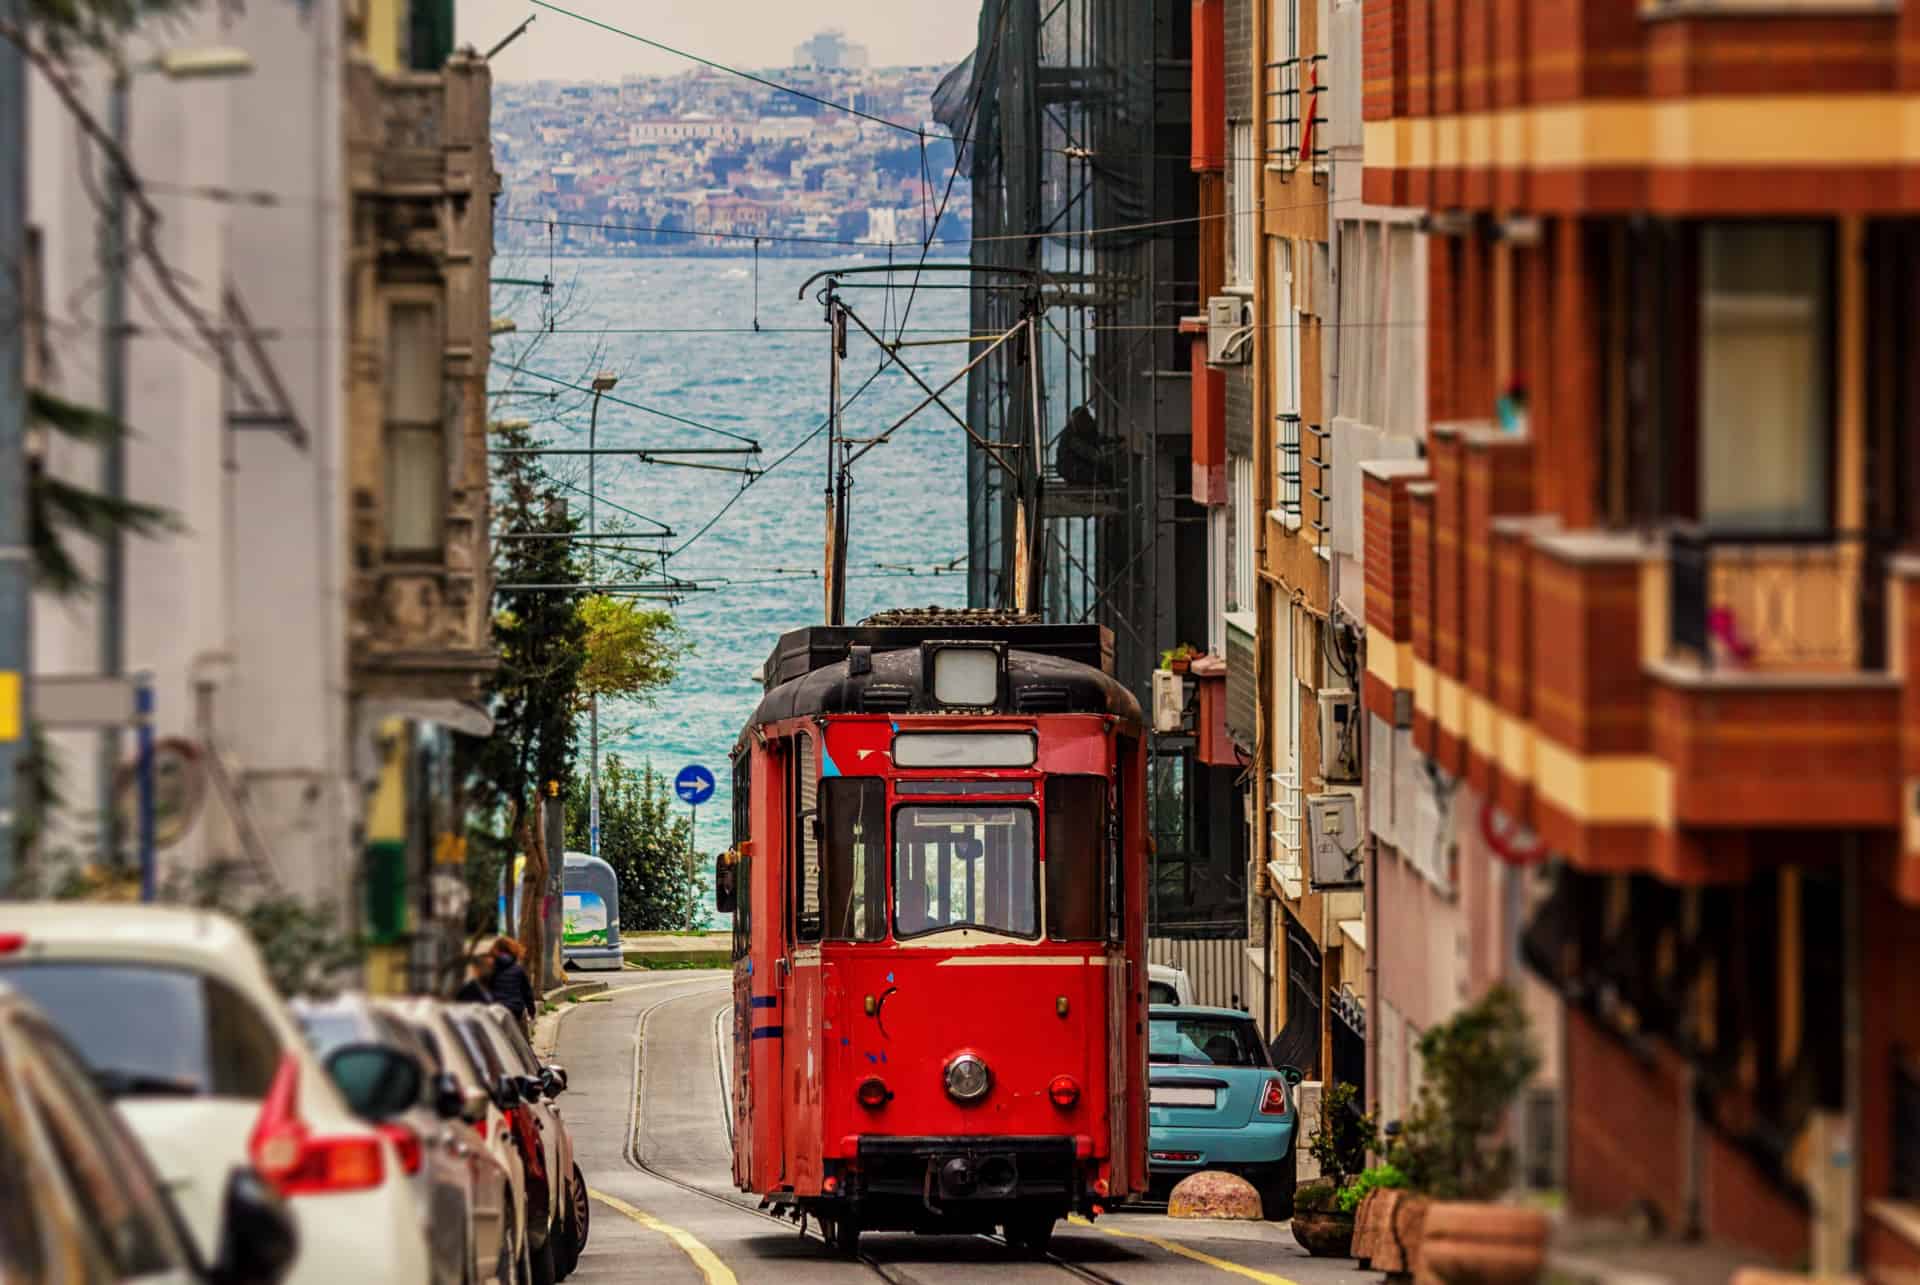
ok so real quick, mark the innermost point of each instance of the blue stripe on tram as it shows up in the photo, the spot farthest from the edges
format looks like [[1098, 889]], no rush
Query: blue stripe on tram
[[764, 1001], [766, 1032]]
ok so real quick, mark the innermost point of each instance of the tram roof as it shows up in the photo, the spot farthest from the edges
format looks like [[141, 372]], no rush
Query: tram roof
[[1048, 669]]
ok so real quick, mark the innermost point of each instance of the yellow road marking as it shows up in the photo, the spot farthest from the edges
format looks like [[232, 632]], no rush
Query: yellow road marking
[[716, 1272], [1175, 1247]]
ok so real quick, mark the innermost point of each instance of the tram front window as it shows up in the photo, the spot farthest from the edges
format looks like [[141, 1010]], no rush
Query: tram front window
[[964, 867]]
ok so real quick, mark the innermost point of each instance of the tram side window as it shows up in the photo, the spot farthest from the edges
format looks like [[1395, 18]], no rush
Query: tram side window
[[806, 883], [855, 810], [743, 909], [964, 867], [1076, 858]]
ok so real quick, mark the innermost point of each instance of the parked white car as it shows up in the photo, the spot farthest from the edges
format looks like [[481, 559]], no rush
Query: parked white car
[[174, 1013], [1168, 985]]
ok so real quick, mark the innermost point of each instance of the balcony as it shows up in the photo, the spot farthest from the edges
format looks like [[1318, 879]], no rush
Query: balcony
[[1769, 603]]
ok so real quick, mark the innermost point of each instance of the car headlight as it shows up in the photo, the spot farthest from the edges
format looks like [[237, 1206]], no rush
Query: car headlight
[[968, 1078]]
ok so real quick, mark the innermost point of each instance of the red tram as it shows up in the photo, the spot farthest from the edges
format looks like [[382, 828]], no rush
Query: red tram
[[938, 888]]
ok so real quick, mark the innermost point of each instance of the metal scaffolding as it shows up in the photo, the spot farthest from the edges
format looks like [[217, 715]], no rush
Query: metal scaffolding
[[1076, 120]]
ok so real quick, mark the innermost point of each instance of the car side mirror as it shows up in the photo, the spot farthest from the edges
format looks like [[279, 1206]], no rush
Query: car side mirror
[[377, 1080], [553, 1078], [449, 1099], [532, 1087], [258, 1239], [725, 887], [506, 1092], [473, 1105], [1292, 1075]]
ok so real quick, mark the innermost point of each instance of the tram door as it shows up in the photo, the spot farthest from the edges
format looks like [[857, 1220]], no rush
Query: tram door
[[765, 1122], [802, 998]]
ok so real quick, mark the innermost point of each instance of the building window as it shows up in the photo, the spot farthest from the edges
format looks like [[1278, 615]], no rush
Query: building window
[[1766, 391], [1240, 492], [1284, 104], [1284, 377], [416, 439], [1244, 197]]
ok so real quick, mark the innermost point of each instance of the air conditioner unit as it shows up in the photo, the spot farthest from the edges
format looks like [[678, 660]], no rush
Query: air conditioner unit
[[1229, 330], [1339, 735], [1169, 700], [1335, 835]]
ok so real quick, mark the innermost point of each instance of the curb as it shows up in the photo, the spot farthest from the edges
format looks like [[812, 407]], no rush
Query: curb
[[572, 990]]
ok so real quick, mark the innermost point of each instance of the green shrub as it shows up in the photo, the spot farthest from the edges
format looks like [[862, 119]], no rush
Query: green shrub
[[1377, 1178], [1345, 1135], [1475, 1066], [1316, 1197]]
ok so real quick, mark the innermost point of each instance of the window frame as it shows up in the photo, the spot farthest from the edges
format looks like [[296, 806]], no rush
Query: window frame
[[392, 299], [830, 790], [1102, 930]]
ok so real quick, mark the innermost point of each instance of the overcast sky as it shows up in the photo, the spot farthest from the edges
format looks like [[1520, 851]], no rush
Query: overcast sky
[[741, 33]]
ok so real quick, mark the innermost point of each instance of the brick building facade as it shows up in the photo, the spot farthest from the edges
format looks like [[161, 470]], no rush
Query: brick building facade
[[1642, 608]]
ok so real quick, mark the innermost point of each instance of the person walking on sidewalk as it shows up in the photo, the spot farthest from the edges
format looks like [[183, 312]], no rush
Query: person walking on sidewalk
[[509, 983]]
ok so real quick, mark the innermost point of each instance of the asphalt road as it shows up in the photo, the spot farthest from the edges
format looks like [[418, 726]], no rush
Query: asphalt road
[[645, 1107]]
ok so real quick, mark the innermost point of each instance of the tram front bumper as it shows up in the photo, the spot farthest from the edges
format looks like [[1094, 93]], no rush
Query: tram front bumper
[[975, 1168]]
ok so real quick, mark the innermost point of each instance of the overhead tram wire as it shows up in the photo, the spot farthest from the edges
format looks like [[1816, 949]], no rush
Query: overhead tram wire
[[732, 71], [753, 447]]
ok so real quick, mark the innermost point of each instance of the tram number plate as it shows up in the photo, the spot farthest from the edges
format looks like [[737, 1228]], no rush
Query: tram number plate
[[1169, 1095]]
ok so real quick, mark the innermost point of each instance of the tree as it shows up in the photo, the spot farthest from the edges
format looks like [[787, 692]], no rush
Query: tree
[[535, 690], [645, 838], [631, 650]]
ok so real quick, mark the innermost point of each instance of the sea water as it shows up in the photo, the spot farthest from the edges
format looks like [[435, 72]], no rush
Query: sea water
[[755, 572]]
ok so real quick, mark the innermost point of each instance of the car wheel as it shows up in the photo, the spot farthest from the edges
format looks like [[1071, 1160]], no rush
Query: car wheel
[[579, 1220], [542, 1260], [1276, 1193], [508, 1261], [1032, 1235]]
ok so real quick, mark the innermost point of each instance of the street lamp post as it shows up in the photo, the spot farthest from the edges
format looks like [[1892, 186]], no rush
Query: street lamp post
[[202, 63], [602, 383]]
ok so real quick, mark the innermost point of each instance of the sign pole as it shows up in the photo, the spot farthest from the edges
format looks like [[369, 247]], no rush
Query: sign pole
[[694, 785], [693, 860]]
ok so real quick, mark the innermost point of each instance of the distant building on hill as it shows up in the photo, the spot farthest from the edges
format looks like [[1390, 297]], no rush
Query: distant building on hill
[[830, 49]]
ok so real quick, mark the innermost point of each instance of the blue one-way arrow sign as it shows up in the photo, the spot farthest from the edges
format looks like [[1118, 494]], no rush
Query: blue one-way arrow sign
[[694, 785]]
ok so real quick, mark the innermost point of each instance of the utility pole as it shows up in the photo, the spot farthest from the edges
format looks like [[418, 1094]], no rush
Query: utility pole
[[16, 603], [113, 456], [837, 341], [603, 383]]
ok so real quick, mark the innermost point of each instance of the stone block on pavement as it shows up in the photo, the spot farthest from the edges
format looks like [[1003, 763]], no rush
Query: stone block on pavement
[[1214, 1195]]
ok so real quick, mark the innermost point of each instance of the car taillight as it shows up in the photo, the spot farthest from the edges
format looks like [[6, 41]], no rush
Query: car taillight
[[406, 1143], [11, 942], [1274, 1100], [288, 1156], [1063, 1091], [873, 1093], [480, 1127]]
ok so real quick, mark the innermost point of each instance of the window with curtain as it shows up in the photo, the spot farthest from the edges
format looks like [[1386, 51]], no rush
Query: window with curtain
[[806, 848], [416, 439], [1766, 377]]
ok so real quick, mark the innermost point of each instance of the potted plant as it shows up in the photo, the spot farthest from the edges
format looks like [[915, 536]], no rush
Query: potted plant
[[1178, 659], [1475, 1065], [1322, 1212]]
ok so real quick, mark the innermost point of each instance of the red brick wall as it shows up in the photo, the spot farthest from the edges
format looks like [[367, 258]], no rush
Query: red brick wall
[[1623, 1127]]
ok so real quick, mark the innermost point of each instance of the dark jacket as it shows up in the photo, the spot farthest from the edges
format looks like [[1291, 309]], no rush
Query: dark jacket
[[511, 988], [473, 991]]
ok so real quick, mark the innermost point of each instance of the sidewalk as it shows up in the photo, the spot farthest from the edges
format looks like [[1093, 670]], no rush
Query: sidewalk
[[1600, 1253]]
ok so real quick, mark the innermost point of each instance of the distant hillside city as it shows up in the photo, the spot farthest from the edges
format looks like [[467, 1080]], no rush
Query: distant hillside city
[[704, 163]]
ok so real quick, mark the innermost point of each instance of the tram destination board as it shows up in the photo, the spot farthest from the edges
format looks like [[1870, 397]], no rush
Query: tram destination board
[[801, 651]]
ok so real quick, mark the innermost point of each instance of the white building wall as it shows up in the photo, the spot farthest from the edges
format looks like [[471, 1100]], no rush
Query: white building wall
[[249, 596]]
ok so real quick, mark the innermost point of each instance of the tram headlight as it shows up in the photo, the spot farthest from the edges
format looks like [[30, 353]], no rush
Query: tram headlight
[[968, 1078]]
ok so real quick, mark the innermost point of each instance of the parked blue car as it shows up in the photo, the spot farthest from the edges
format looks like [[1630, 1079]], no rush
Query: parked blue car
[[1216, 1101]]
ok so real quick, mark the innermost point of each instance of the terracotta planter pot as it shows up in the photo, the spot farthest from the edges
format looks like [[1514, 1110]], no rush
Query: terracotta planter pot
[[1364, 1223], [1399, 1220], [1479, 1244], [1324, 1235]]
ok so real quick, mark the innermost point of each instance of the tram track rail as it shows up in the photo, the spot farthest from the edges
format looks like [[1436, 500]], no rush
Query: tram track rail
[[892, 1273]]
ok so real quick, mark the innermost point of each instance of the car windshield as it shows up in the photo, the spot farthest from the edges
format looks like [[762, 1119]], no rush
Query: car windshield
[[964, 867], [147, 1031], [1204, 1041]]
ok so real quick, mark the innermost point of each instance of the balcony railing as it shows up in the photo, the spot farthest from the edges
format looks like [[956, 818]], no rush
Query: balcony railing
[[1778, 602]]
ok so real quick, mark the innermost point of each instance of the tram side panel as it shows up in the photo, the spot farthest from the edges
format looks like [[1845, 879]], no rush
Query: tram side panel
[[765, 1016]]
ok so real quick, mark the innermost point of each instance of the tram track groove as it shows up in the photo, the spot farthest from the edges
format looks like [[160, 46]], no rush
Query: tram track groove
[[889, 1272]]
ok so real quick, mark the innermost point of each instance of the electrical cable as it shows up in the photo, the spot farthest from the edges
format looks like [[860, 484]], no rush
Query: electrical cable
[[632, 405]]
